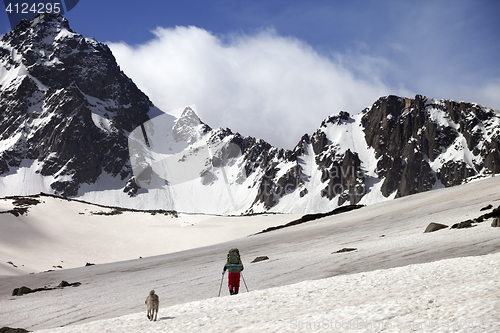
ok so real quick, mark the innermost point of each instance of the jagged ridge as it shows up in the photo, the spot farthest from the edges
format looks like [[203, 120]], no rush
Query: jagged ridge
[[68, 112]]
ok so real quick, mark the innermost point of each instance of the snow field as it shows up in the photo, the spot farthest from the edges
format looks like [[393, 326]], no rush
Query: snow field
[[57, 232], [458, 295], [397, 276]]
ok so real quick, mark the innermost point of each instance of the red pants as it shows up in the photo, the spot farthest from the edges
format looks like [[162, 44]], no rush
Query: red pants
[[233, 282]]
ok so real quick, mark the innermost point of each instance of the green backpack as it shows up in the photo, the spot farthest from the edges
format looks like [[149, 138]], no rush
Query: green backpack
[[233, 257]]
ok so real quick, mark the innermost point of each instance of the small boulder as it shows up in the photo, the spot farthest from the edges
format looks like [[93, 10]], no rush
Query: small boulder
[[261, 258], [462, 225], [346, 249], [64, 284], [496, 222], [13, 330], [433, 226], [21, 291], [67, 284], [486, 208]]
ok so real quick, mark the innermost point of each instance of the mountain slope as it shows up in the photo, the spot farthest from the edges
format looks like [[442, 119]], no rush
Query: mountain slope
[[73, 124], [388, 235], [362, 302], [45, 232]]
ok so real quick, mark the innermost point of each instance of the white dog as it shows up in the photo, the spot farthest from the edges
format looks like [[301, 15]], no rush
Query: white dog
[[153, 303]]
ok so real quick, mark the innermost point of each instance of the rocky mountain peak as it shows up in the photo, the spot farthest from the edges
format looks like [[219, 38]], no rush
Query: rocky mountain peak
[[189, 127], [38, 36], [65, 104], [40, 26], [342, 117], [421, 141]]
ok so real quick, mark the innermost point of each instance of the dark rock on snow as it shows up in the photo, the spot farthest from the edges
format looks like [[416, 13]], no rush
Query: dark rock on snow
[[21, 291], [17, 211], [261, 258], [486, 208], [495, 214], [346, 249], [25, 290], [433, 226], [13, 330], [463, 225], [312, 217]]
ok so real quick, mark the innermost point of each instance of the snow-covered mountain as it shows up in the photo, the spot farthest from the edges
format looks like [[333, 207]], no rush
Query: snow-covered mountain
[[66, 109], [73, 124]]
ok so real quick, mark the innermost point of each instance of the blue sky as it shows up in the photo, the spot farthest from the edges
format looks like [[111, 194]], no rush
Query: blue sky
[[276, 69]]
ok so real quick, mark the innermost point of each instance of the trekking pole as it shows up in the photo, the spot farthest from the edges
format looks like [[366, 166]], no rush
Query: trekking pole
[[244, 281], [220, 288]]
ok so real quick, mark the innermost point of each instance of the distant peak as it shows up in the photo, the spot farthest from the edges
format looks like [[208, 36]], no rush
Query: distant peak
[[44, 19], [49, 18], [188, 118], [187, 127], [188, 113], [342, 117]]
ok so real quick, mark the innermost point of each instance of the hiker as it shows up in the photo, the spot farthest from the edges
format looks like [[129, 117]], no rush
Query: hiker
[[234, 266]]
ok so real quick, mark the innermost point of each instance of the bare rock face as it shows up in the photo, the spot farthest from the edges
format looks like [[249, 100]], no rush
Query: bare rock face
[[340, 171], [411, 135]]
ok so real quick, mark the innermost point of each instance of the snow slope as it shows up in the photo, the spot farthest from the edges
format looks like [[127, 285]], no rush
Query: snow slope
[[397, 276], [60, 232], [420, 297]]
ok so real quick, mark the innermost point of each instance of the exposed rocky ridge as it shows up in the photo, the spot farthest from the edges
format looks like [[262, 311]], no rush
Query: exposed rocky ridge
[[410, 136], [260, 159], [341, 174], [418, 144], [68, 109]]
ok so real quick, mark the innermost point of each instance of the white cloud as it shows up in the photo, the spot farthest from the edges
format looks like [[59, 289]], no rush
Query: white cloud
[[263, 85]]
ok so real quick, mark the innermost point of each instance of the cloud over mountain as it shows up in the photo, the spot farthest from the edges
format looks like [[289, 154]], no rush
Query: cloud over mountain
[[256, 84]]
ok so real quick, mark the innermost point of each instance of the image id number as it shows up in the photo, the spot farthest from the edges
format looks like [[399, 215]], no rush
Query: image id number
[[36, 8]]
